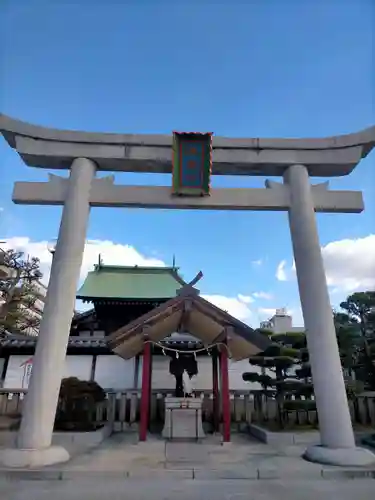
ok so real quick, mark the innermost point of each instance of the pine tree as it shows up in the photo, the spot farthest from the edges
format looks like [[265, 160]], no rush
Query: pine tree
[[357, 328], [18, 292], [287, 361]]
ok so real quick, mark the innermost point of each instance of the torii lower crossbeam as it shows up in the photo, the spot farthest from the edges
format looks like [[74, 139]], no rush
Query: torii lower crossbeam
[[104, 193]]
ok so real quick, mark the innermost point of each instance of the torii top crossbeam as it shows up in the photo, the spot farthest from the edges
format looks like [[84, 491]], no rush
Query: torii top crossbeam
[[53, 148]]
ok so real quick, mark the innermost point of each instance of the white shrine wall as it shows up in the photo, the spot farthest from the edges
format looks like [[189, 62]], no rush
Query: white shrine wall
[[19, 370], [113, 372], [161, 378]]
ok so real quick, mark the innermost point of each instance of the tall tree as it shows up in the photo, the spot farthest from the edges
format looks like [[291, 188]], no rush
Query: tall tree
[[359, 322], [360, 307], [348, 338], [18, 292]]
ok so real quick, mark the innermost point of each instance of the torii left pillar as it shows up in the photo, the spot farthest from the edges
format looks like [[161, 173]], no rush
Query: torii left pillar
[[34, 443]]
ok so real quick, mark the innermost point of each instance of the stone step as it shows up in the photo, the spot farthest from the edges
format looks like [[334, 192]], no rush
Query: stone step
[[222, 473]]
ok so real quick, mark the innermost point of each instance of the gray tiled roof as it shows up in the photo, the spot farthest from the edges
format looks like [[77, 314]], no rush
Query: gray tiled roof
[[24, 341]]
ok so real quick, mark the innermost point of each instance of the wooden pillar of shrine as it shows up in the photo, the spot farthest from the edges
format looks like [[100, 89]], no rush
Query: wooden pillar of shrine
[[215, 391], [225, 397], [145, 392]]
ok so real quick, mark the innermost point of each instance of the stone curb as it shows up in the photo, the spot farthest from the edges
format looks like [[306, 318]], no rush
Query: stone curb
[[31, 475], [226, 474], [285, 438], [180, 474], [161, 473], [348, 473]]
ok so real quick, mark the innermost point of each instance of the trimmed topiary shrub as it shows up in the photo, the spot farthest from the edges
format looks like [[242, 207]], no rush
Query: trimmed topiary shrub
[[78, 401], [283, 382]]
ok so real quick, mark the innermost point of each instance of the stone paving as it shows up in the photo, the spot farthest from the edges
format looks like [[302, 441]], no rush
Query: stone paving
[[121, 456], [243, 457], [246, 469], [165, 489]]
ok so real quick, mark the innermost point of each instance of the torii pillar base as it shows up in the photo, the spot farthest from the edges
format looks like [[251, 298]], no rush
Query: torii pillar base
[[18, 458], [344, 457]]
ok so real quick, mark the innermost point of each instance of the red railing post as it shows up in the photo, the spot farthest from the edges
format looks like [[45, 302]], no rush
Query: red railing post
[[145, 394], [215, 392], [225, 397]]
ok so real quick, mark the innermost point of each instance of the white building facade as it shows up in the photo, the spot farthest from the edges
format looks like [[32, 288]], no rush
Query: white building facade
[[281, 322]]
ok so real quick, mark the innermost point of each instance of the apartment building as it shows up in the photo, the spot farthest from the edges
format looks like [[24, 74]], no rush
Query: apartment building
[[281, 322]]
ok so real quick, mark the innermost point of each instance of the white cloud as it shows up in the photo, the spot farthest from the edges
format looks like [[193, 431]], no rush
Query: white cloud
[[266, 312], [34, 249], [246, 299], [235, 306], [281, 272], [111, 253], [297, 315], [349, 264], [263, 295], [123, 255], [258, 262]]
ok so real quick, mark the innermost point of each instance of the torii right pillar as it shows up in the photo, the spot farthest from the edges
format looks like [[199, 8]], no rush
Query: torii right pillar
[[336, 432]]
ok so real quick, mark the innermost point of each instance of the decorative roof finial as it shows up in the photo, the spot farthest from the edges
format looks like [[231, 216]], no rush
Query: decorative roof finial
[[100, 262], [187, 288], [174, 262]]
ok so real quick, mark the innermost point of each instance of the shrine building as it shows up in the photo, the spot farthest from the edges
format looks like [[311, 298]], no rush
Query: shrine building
[[146, 325]]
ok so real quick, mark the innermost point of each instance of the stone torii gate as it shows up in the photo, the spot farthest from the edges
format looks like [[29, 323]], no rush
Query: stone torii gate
[[83, 153]]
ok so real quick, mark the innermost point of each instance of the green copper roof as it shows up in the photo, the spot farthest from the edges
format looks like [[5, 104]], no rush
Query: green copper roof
[[117, 282]]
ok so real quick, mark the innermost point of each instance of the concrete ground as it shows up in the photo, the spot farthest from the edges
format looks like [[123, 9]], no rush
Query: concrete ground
[[121, 468], [243, 458], [146, 489], [121, 456]]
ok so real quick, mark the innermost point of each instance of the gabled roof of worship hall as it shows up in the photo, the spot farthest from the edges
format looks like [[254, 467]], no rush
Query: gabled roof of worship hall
[[129, 283], [190, 313]]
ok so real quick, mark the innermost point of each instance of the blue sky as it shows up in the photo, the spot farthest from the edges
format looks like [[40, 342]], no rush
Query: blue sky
[[264, 69]]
